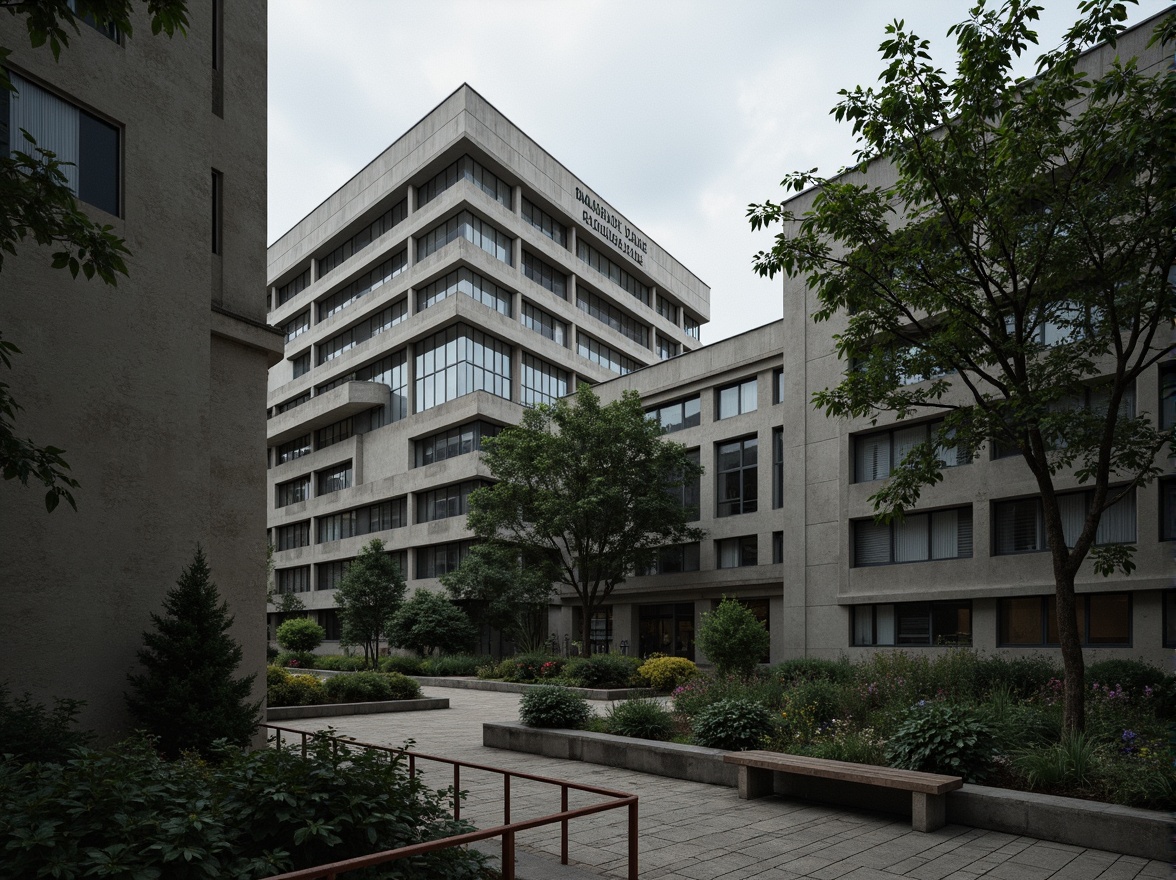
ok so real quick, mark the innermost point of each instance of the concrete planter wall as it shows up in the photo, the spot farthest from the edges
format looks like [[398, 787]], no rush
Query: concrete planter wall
[[1134, 832], [510, 687], [330, 710]]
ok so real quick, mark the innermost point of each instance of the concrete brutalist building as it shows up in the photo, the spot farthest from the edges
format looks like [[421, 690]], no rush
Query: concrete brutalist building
[[461, 276], [155, 388]]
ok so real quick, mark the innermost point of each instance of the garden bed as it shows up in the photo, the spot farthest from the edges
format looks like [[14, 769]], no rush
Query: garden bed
[[1088, 824], [329, 710], [516, 687]]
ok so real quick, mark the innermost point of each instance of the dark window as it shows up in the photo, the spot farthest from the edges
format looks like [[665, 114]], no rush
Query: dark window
[[612, 271], [328, 619], [545, 275], [380, 322], [667, 309], [361, 239], [1104, 619], [98, 163], [217, 209], [667, 348], [1170, 618], [472, 285], [296, 448], [675, 559], [878, 453], [293, 287], [678, 415], [666, 629], [329, 574], [1168, 509], [365, 520], [777, 546], [458, 361], [534, 318], [1093, 398], [778, 385], [689, 493], [464, 168], [446, 502], [606, 313], [540, 382], [736, 399], [438, 559], [454, 442], [1168, 394], [690, 326], [293, 491], [913, 624], [545, 223], [777, 468], [301, 364], [474, 230], [297, 325], [737, 474], [918, 537], [293, 580], [334, 478], [292, 403], [364, 284], [332, 434], [599, 353], [294, 535], [1018, 526], [736, 552]]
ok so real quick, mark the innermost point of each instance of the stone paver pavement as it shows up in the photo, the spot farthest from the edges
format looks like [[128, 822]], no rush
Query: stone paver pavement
[[705, 832]]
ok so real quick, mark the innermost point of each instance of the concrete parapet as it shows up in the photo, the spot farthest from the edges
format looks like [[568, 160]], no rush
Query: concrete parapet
[[512, 687], [330, 710]]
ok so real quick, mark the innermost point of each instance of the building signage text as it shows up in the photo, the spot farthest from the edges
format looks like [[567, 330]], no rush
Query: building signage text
[[612, 228]]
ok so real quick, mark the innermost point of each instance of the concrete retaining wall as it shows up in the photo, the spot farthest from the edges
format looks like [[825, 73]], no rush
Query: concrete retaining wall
[[330, 710], [1134, 832]]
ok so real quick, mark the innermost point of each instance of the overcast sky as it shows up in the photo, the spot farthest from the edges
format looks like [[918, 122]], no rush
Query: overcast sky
[[678, 112]]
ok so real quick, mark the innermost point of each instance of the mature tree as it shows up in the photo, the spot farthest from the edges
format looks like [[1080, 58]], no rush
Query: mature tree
[[591, 487], [368, 596], [505, 591], [37, 203], [427, 622], [1010, 270], [187, 696]]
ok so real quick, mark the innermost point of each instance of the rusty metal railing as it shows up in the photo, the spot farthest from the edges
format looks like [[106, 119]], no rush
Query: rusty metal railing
[[507, 830]]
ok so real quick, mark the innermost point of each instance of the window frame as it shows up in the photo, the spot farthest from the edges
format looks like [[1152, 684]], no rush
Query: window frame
[[741, 398]]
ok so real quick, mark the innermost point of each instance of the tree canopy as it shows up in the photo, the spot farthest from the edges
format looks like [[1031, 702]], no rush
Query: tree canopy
[[505, 591], [368, 595], [429, 621], [589, 487], [37, 203], [999, 256]]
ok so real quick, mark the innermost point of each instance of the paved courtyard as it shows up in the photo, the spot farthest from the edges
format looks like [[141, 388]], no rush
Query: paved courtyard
[[705, 832]]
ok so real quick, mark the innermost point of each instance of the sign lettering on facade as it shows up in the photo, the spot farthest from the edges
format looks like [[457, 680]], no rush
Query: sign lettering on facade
[[612, 228]]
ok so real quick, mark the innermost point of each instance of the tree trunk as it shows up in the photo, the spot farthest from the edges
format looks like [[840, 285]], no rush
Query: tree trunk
[[1074, 705], [586, 630]]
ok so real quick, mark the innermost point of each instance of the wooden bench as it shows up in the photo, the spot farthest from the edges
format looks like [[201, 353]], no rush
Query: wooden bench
[[928, 790]]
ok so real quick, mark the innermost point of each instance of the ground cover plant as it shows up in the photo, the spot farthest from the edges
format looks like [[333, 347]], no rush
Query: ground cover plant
[[127, 812], [988, 719]]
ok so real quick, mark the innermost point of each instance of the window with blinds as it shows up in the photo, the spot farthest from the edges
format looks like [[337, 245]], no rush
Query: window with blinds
[[1019, 526], [919, 537], [878, 453]]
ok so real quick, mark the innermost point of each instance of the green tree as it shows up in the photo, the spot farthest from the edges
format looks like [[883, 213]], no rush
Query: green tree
[[588, 486], [186, 695], [368, 595], [504, 591], [36, 203], [429, 621], [1008, 270], [733, 638], [300, 635]]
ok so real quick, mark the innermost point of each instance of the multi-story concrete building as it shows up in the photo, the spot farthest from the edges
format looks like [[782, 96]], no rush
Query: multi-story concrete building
[[155, 388], [461, 276]]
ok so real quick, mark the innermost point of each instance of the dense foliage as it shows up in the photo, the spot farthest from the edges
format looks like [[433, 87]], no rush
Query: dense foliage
[[368, 595], [942, 738], [429, 622], [666, 673], [733, 724], [588, 487], [999, 258], [126, 812], [287, 689], [644, 719], [301, 635], [553, 706], [732, 638], [31, 732], [601, 671], [504, 589], [187, 696]]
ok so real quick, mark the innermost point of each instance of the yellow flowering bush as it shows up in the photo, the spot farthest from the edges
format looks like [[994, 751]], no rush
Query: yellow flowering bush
[[667, 673]]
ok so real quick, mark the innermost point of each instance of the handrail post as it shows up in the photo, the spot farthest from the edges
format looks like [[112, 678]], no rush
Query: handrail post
[[633, 840], [304, 745], [563, 826], [456, 791], [508, 855], [505, 798]]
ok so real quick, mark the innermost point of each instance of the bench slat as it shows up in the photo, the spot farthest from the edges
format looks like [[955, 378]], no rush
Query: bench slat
[[869, 774]]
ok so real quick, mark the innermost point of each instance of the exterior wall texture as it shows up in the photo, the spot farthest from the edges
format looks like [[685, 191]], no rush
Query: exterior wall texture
[[154, 388]]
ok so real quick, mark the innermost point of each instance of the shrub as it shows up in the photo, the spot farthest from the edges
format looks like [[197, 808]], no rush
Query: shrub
[[402, 687], [1023, 677], [284, 689], [842, 740], [1139, 680], [733, 639], [534, 666], [429, 622], [1069, 762], [30, 732], [135, 815], [370, 687], [643, 719], [186, 695], [601, 671], [943, 738], [734, 725], [271, 653], [667, 673], [300, 635], [401, 663], [337, 662], [553, 706], [814, 669], [453, 664]]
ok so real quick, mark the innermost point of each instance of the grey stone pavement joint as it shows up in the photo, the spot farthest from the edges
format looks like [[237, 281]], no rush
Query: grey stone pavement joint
[[696, 831]]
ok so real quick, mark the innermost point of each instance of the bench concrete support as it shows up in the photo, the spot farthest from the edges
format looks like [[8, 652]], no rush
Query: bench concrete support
[[754, 782], [928, 811]]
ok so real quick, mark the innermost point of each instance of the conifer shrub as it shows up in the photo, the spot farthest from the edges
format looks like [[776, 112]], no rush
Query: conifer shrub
[[187, 696]]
